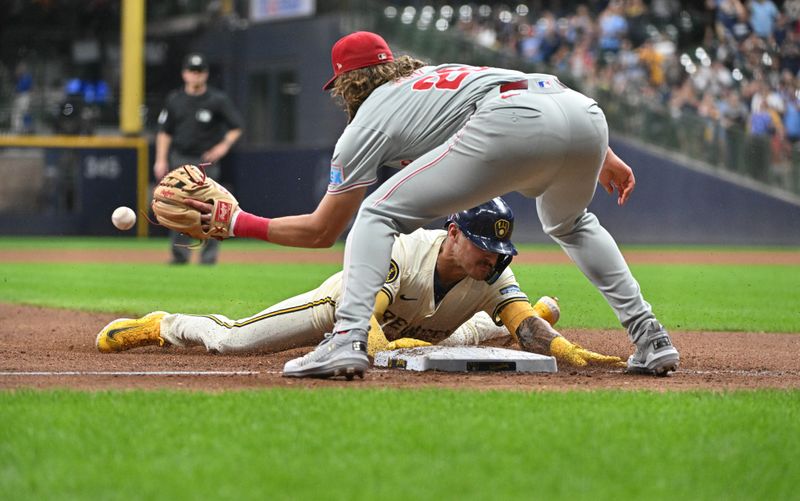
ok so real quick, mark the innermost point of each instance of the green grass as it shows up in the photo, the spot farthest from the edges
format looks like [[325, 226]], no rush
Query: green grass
[[129, 241], [237, 290], [761, 298], [685, 297], [126, 242], [374, 444]]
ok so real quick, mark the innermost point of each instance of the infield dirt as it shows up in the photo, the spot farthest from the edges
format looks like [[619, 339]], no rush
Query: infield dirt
[[44, 340]]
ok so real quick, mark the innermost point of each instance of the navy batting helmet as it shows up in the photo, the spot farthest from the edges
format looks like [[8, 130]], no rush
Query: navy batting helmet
[[489, 226]]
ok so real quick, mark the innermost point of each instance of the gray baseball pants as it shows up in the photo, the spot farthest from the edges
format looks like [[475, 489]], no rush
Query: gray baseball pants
[[547, 143]]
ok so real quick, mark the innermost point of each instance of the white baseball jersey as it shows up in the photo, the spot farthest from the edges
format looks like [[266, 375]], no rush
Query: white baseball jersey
[[304, 319], [409, 285]]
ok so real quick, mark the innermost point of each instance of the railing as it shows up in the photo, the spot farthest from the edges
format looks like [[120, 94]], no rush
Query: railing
[[764, 159]]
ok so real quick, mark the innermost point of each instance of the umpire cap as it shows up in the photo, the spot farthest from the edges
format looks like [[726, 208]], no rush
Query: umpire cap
[[195, 61]]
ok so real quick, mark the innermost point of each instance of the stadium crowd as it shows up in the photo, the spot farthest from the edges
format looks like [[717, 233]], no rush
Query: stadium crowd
[[729, 65], [732, 64]]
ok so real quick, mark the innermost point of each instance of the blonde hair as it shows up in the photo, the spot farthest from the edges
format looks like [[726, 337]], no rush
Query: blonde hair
[[354, 87]]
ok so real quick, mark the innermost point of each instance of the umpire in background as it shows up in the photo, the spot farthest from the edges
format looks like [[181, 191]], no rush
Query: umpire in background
[[198, 124]]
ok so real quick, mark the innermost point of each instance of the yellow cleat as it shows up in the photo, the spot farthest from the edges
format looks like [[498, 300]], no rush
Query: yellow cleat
[[126, 333]]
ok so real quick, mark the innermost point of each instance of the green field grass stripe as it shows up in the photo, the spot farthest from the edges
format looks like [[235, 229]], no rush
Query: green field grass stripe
[[374, 444], [128, 241], [685, 297], [233, 290]]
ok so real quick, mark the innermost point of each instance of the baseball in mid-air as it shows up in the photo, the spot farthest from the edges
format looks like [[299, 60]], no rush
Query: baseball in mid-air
[[123, 218]]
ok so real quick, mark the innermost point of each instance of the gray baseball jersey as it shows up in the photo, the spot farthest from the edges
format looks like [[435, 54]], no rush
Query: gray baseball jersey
[[469, 134], [405, 119]]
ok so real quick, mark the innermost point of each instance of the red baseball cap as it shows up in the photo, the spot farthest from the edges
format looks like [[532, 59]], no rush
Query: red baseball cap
[[358, 50]]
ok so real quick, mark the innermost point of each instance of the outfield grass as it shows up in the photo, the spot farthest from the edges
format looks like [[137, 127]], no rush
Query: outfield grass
[[374, 444], [111, 243], [236, 290], [129, 241], [685, 297]]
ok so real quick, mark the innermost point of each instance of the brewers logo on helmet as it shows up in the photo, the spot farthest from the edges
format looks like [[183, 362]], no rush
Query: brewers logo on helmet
[[489, 226], [501, 228]]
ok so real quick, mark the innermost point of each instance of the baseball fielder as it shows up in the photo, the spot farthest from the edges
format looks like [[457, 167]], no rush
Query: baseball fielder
[[462, 135], [437, 282]]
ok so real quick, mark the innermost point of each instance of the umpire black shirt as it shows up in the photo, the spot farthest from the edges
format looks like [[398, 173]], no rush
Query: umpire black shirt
[[196, 123]]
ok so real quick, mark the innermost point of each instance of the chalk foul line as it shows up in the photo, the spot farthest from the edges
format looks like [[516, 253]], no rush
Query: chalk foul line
[[129, 373]]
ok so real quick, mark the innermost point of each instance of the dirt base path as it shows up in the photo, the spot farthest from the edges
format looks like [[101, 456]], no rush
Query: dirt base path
[[52, 348], [47, 342]]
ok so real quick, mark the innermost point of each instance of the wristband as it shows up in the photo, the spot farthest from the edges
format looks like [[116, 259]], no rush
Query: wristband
[[248, 225]]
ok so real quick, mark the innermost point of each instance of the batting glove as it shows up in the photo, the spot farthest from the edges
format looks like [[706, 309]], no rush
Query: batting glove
[[406, 342], [574, 355]]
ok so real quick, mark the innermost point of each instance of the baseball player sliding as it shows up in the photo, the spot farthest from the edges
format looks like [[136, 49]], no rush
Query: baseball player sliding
[[443, 287], [462, 135]]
